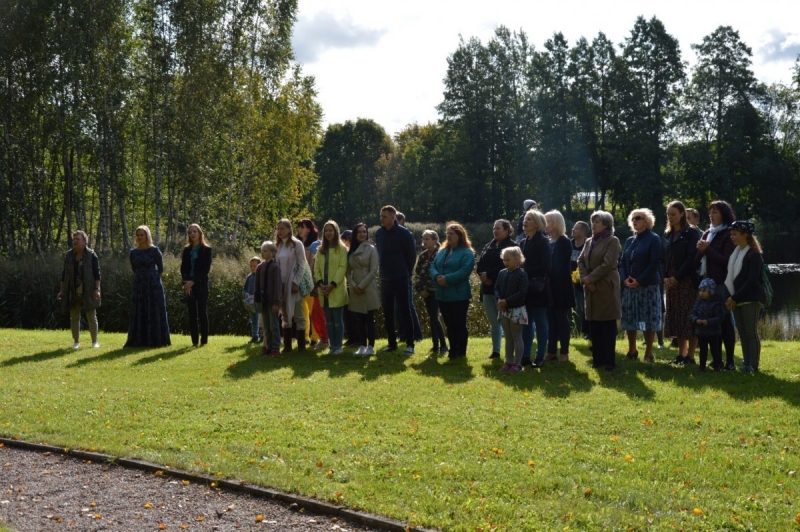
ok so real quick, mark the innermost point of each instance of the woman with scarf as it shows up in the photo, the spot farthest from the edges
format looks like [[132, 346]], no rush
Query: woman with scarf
[[747, 290], [488, 268], [80, 287], [597, 266], [195, 267], [713, 251]]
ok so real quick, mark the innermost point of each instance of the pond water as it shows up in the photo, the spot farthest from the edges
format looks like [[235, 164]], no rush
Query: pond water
[[784, 250]]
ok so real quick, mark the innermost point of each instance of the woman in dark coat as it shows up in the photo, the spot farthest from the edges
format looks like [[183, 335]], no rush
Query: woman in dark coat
[[597, 266], [488, 268], [80, 287], [713, 251], [681, 281], [536, 250], [642, 305], [558, 315], [744, 282], [195, 267], [148, 325]]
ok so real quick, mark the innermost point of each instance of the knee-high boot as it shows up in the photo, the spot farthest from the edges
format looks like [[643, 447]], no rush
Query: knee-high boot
[[287, 340], [301, 340]]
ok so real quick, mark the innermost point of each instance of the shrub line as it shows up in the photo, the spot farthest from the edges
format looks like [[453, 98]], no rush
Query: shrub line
[[306, 503]]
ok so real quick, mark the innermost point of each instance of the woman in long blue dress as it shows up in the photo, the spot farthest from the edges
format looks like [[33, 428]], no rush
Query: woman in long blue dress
[[148, 325]]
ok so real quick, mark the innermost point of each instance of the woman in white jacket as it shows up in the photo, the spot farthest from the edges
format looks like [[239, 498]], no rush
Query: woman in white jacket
[[291, 258]]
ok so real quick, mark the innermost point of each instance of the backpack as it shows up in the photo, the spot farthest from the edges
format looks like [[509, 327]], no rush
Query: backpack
[[769, 294]]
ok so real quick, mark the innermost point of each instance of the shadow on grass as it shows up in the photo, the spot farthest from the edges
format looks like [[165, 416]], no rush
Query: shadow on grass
[[163, 356], [308, 363], [37, 357], [745, 387], [128, 351], [449, 370]]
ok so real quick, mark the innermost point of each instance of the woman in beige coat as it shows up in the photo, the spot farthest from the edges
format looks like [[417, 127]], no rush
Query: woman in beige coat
[[597, 266], [362, 278], [291, 258]]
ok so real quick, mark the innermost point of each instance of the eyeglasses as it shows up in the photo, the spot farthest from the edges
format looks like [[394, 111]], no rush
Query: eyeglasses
[[637, 218]]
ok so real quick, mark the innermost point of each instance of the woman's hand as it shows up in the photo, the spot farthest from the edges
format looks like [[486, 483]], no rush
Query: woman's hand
[[502, 305], [485, 279], [591, 287], [630, 282], [669, 282], [59, 295], [96, 295], [424, 294], [295, 288], [730, 303], [440, 280], [702, 245], [357, 290], [187, 287]]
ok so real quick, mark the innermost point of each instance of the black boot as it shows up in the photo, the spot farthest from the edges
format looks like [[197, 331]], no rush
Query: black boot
[[301, 340], [287, 340]]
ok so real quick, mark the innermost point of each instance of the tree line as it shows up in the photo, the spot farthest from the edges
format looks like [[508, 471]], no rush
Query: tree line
[[592, 125], [116, 113]]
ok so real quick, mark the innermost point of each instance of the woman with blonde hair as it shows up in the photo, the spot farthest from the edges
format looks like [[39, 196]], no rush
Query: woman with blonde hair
[[195, 267], [558, 315], [291, 258], [451, 270], [641, 291], [538, 260], [148, 324]]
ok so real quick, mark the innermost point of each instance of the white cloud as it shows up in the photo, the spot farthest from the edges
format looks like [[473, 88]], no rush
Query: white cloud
[[778, 45], [321, 32]]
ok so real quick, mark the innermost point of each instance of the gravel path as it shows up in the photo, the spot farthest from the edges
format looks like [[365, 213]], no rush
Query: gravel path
[[40, 492]]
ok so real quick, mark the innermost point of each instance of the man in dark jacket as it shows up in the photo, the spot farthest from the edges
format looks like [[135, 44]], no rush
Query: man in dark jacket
[[396, 256]]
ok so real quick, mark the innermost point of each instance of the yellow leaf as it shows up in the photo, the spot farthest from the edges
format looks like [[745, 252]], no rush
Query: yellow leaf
[[98, 516], [259, 518], [628, 458], [92, 504], [162, 526], [698, 511], [148, 505], [201, 518], [185, 482], [319, 464]]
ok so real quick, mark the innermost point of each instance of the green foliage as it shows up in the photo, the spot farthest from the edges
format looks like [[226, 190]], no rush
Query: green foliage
[[458, 447]]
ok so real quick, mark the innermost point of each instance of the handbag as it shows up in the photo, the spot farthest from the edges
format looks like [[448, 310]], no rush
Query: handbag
[[307, 281]]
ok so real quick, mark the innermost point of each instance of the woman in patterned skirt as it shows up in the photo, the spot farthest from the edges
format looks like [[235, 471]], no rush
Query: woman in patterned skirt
[[681, 280], [641, 293]]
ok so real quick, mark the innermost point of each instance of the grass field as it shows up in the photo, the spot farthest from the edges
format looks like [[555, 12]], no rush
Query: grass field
[[450, 446]]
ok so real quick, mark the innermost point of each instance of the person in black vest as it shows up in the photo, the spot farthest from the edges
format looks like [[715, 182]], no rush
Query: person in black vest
[[396, 256], [744, 282]]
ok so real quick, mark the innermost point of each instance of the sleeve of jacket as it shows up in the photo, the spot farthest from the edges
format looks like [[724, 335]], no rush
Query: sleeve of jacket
[[410, 252], [159, 261], [721, 259], [186, 264], [300, 261], [480, 266], [610, 260], [419, 273], [466, 262], [319, 268], [257, 282], [693, 313], [688, 266], [277, 285], [624, 264], [340, 270], [434, 270]]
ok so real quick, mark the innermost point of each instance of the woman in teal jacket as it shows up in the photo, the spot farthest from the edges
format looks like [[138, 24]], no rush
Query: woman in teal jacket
[[451, 270], [330, 269]]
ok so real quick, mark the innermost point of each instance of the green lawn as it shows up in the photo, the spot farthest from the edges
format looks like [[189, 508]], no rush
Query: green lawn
[[456, 447]]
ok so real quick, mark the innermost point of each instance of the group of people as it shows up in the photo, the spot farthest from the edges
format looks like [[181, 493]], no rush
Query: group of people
[[688, 285], [148, 325]]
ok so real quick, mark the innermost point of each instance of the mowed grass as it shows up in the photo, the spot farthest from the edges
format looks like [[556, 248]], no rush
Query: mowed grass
[[451, 446]]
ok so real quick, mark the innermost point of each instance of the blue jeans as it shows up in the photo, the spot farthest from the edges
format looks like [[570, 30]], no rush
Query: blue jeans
[[537, 320], [254, 325], [490, 307], [334, 320]]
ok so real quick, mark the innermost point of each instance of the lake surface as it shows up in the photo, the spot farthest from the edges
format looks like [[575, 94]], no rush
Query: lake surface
[[784, 249]]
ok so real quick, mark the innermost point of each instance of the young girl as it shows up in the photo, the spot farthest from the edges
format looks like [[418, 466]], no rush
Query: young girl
[[247, 296], [510, 290], [426, 287], [330, 270], [268, 295], [747, 290], [707, 316]]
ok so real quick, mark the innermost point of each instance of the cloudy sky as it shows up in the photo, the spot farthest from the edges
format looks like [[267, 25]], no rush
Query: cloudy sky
[[386, 60]]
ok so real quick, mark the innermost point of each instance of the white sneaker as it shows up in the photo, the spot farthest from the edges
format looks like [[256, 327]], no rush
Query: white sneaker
[[95, 345], [409, 351], [369, 351], [76, 345], [360, 351]]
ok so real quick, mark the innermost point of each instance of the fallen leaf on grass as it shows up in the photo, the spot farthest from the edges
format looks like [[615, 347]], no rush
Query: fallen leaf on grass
[[148, 505], [259, 518], [185, 482], [698, 511]]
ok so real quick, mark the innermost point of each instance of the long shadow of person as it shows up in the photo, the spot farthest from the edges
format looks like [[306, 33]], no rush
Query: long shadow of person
[[37, 357]]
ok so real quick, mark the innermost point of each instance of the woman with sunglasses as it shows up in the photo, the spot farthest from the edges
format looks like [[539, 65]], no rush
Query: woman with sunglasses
[[641, 293]]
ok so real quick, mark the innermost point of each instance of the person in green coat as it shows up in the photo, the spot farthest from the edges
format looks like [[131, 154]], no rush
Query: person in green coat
[[451, 270], [330, 270]]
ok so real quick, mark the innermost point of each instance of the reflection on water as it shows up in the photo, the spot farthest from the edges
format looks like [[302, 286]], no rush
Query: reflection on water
[[784, 249]]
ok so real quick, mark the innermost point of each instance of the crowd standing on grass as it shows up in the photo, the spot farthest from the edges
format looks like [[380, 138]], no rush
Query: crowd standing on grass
[[694, 286]]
